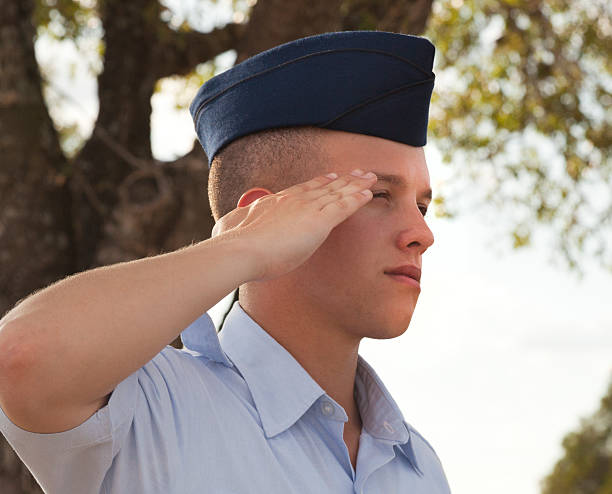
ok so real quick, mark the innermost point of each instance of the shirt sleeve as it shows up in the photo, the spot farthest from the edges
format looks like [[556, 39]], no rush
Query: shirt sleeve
[[77, 460]]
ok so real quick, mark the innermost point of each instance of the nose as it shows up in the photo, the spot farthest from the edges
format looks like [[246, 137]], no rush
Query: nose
[[416, 234]]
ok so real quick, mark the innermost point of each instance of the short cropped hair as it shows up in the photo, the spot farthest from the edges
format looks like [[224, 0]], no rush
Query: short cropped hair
[[274, 159]]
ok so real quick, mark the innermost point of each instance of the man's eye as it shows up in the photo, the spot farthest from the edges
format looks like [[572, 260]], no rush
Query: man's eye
[[423, 209]]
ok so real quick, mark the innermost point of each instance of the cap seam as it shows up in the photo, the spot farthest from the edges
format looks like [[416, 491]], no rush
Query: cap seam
[[374, 99]]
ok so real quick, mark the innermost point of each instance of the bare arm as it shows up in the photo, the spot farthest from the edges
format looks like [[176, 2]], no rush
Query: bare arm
[[65, 348], [79, 337]]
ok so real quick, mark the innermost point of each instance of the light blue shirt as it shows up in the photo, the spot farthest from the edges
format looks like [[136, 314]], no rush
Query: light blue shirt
[[231, 413]]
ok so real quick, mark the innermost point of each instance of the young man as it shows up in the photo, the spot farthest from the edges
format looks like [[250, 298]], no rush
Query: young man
[[280, 401]]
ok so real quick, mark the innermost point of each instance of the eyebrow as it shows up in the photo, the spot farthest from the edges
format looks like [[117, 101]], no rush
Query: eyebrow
[[400, 182]]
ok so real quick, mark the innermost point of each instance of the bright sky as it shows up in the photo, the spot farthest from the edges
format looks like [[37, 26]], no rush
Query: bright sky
[[505, 352]]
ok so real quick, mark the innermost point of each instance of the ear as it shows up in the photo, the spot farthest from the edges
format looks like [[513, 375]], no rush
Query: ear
[[234, 217], [252, 195]]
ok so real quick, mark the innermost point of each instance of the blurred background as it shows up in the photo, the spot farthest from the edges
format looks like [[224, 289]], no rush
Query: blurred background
[[506, 368]]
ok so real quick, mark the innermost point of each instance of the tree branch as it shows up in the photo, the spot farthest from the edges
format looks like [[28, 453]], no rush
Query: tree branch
[[408, 17], [179, 52]]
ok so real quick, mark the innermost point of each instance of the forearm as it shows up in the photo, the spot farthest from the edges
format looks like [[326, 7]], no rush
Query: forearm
[[78, 338]]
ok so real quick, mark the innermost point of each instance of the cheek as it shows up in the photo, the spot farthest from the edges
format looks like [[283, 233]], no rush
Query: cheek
[[351, 243]]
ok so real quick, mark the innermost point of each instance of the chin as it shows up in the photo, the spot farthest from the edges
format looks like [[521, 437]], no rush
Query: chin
[[390, 329], [386, 335]]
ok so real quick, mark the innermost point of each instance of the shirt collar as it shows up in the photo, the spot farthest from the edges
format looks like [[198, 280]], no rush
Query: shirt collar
[[385, 420], [281, 388], [201, 340]]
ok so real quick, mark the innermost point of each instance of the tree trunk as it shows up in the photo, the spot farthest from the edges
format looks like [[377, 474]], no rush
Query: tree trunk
[[36, 246]]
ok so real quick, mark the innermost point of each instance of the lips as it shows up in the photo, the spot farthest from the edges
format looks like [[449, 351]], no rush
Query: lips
[[408, 270]]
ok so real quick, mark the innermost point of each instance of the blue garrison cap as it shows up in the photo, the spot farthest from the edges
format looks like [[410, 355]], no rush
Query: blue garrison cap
[[368, 82]]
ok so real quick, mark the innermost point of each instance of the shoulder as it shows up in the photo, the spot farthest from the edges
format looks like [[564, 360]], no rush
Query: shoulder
[[177, 369], [423, 446], [420, 436], [428, 460], [181, 360], [189, 377]]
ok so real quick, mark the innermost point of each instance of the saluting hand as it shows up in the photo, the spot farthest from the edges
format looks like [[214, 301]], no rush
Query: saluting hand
[[283, 230]]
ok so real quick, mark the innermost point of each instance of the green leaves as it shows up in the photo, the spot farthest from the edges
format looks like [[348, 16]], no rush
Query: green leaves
[[586, 467], [526, 86], [66, 19]]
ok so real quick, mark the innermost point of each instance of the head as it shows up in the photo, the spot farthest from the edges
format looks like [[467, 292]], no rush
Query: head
[[343, 286], [264, 162]]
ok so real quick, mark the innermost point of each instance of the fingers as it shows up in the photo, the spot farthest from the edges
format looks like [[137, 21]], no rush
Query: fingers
[[344, 186], [325, 189], [345, 195], [322, 184]]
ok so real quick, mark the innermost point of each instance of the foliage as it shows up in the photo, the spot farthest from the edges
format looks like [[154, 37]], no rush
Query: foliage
[[522, 104], [66, 19], [586, 467], [76, 23]]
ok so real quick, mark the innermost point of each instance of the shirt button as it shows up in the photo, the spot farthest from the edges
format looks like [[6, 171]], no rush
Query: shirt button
[[388, 426], [327, 408]]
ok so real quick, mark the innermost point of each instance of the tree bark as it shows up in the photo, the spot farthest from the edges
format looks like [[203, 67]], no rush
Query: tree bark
[[36, 245], [35, 233], [113, 202]]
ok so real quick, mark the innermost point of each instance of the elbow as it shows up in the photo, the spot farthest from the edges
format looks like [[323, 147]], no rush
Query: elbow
[[15, 349], [16, 359]]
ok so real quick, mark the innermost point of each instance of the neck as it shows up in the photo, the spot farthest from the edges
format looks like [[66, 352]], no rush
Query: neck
[[326, 353]]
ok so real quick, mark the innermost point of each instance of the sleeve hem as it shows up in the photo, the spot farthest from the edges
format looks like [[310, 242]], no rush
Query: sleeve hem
[[97, 428]]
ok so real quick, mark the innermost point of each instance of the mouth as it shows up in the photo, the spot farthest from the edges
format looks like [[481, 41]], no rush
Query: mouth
[[407, 280]]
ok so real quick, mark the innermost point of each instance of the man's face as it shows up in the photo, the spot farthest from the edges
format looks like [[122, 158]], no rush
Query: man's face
[[344, 281]]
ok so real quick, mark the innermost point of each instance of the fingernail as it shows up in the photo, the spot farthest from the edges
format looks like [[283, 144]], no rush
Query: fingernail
[[331, 175], [357, 172], [369, 175]]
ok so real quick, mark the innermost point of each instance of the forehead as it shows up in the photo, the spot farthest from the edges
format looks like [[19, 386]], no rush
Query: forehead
[[395, 164]]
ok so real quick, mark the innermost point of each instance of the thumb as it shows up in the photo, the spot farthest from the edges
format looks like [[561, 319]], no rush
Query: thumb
[[229, 221]]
